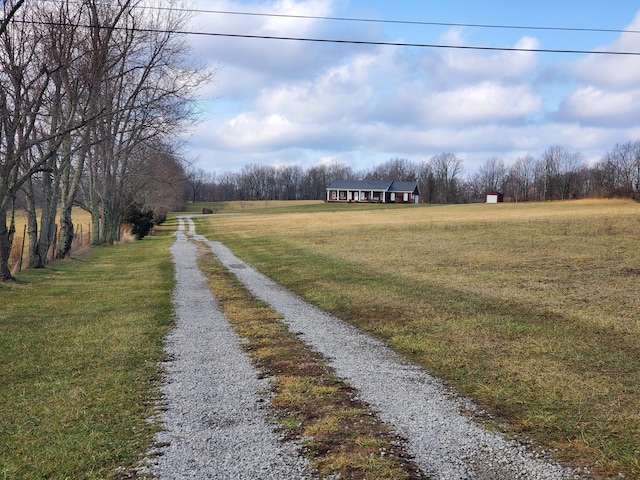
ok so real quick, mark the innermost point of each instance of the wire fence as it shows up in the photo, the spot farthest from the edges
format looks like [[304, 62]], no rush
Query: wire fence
[[18, 259]]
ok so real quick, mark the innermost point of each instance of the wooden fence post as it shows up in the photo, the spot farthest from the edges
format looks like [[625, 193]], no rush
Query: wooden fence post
[[24, 236], [54, 246]]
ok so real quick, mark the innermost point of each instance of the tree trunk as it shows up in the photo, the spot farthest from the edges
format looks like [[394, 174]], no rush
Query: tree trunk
[[32, 223], [95, 228], [67, 233], [69, 186], [51, 191], [6, 240], [41, 237]]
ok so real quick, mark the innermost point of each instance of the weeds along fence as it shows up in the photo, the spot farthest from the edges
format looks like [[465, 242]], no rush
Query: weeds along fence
[[18, 260]]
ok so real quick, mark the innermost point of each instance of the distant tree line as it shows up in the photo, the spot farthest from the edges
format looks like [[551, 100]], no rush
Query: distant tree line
[[91, 94], [559, 174]]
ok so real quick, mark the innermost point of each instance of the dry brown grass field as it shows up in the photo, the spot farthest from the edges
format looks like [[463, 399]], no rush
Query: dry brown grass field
[[250, 205], [81, 218], [530, 309]]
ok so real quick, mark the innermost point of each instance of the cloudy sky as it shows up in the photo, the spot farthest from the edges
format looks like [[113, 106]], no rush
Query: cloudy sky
[[284, 102]]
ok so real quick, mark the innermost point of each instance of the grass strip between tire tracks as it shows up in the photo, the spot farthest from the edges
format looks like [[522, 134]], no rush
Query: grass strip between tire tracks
[[340, 433]]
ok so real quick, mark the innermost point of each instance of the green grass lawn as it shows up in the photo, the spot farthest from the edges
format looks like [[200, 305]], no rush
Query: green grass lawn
[[530, 309], [80, 346]]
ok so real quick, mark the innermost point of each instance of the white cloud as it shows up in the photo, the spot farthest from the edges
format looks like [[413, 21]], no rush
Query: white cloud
[[484, 102], [614, 71], [381, 87], [295, 26], [270, 59], [450, 66], [596, 106], [306, 103], [606, 92]]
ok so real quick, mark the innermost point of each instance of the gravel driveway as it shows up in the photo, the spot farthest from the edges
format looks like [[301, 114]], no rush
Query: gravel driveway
[[215, 422], [214, 419]]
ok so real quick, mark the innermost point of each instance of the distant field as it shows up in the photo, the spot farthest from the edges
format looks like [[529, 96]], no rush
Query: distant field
[[530, 309], [247, 206]]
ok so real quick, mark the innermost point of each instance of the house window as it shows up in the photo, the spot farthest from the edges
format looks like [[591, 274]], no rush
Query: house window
[[392, 197], [334, 195], [343, 195], [405, 197]]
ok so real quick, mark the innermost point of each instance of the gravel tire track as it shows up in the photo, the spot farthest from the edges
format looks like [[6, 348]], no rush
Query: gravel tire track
[[446, 444], [215, 424]]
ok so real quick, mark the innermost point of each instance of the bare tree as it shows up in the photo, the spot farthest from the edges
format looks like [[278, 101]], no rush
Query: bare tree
[[319, 177], [228, 187], [561, 172], [157, 180], [84, 86], [197, 181], [447, 168], [399, 169], [146, 93], [492, 175], [475, 189], [63, 48], [10, 8], [315, 182], [28, 139], [619, 171], [257, 182], [83, 78], [426, 181], [289, 181], [520, 179]]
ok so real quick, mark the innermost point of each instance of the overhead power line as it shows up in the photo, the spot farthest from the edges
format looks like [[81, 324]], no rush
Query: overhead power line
[[356, 42], [410, 22], [389, 21], [396, 44], [407, 44]]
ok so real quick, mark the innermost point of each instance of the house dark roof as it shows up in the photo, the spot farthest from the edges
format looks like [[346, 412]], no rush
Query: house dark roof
[[379, 185], [403, 187]]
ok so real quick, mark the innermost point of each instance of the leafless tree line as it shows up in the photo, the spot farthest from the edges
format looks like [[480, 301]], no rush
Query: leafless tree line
[[91, 92], [558, 174]]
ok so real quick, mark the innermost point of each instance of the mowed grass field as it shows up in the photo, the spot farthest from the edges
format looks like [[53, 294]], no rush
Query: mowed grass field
[[81, 343], [530, 309]]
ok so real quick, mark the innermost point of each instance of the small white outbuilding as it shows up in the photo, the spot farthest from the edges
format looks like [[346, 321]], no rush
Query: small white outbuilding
[[494, 197]]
